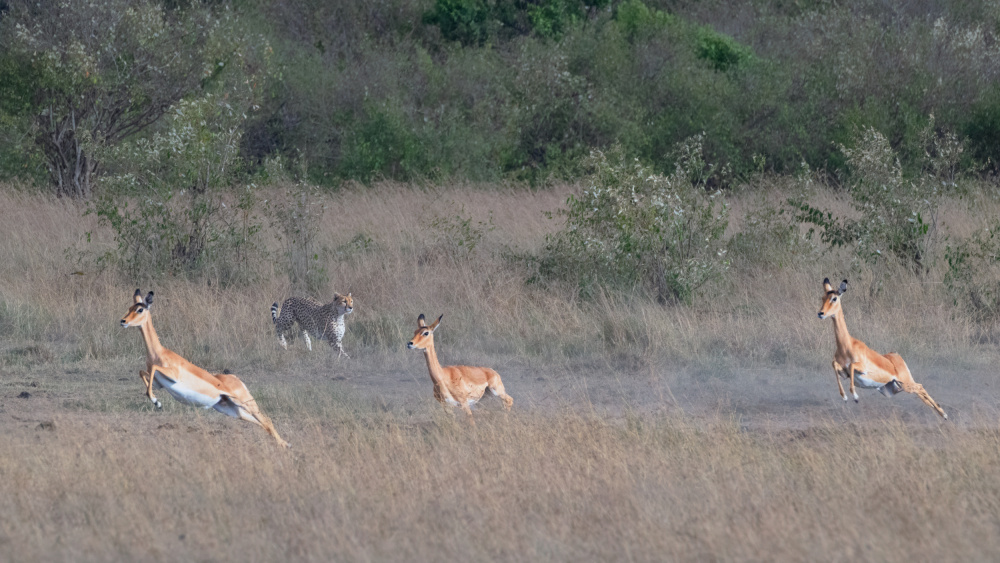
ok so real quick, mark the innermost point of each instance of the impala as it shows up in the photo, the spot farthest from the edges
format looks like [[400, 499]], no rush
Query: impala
[[857, 362], [460, 386], [187, 382]]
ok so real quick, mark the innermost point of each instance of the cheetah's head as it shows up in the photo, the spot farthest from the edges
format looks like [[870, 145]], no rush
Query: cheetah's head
[[345, 303]]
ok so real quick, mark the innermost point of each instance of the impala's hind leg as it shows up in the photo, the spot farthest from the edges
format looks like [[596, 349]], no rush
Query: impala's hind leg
[[496, 387], [148, 381], [244, 406], [918, 389]]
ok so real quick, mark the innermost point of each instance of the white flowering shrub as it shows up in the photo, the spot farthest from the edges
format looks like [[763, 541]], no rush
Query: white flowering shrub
[[896, 215], [632, 227], [102, 72]]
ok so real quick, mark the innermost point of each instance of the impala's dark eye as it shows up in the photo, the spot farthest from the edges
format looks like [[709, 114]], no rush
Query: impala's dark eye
[[833, 300], [139, 310], [426, 333]]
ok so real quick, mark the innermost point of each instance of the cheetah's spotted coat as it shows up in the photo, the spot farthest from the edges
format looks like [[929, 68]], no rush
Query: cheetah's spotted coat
[[319, 320]]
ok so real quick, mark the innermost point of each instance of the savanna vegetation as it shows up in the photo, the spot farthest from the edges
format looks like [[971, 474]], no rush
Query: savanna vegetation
[[625, 207]]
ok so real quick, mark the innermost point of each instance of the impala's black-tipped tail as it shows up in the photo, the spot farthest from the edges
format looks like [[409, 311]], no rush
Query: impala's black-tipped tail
[[274, 313]]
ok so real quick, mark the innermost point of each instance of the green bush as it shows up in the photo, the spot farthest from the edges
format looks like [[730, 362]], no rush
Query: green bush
[[638, 21], [631, 227], [467, 21], [100, 72], [170, 202], [720, 50], [382, 144], [895, 214]]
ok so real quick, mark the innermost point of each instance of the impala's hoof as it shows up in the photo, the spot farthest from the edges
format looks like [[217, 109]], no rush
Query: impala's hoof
[[158, 405], [945, 415]]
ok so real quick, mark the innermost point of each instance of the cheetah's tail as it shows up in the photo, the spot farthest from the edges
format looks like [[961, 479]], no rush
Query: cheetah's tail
[[274, 313]]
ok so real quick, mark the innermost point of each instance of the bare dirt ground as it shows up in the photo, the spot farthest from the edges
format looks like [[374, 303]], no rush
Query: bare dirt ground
[[757, 399]]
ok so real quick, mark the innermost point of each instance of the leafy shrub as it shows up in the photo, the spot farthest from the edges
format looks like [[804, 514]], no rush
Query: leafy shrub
[[638, 21], [466, 21], [101, 72], [167, 200], [896, 214], [720, 50], [631, 227], [381, 143]]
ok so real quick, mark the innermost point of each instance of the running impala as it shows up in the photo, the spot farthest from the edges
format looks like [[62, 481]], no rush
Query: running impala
[[857, 362], [187, 382], [460, 386]]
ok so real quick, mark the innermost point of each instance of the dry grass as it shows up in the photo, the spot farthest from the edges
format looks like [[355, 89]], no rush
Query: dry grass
[[712, 432], [525, 487]]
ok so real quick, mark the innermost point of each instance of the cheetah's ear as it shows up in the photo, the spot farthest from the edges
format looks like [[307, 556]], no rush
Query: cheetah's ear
[[420, 321], [137, 296], [436, 323], [149, 300]]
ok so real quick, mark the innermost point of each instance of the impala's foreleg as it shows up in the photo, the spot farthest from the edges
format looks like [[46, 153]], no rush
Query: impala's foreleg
[[850, 375], [147, 379], [496, 387], [837, 371], [918, 390]]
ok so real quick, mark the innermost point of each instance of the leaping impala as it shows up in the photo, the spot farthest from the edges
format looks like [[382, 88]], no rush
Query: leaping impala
[[857, 362], [187, 382], [460, 386]]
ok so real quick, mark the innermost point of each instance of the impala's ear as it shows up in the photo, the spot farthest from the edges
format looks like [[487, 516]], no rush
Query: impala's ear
[[843, 287], [137, 296], [437, 322], [826, 285], [149, 300], [420, 321]]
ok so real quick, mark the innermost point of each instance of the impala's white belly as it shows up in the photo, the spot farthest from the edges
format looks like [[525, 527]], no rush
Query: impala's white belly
[[862, 381], [186, 394]]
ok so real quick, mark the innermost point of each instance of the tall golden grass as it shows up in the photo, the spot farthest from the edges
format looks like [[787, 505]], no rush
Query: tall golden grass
[[529, 486], [379, 472]]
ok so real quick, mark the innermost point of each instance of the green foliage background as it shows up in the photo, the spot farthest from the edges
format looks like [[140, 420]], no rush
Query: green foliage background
[[524, 89]]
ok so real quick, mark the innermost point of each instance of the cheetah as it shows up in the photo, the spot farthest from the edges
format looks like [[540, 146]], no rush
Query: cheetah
[[322, 321]]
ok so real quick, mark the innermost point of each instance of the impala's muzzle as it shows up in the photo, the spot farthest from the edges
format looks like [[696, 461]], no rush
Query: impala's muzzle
[[410, 345], [821, 314], [124, 323]]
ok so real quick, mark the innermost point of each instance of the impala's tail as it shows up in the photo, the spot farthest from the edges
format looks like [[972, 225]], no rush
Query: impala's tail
[[274, 313]]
